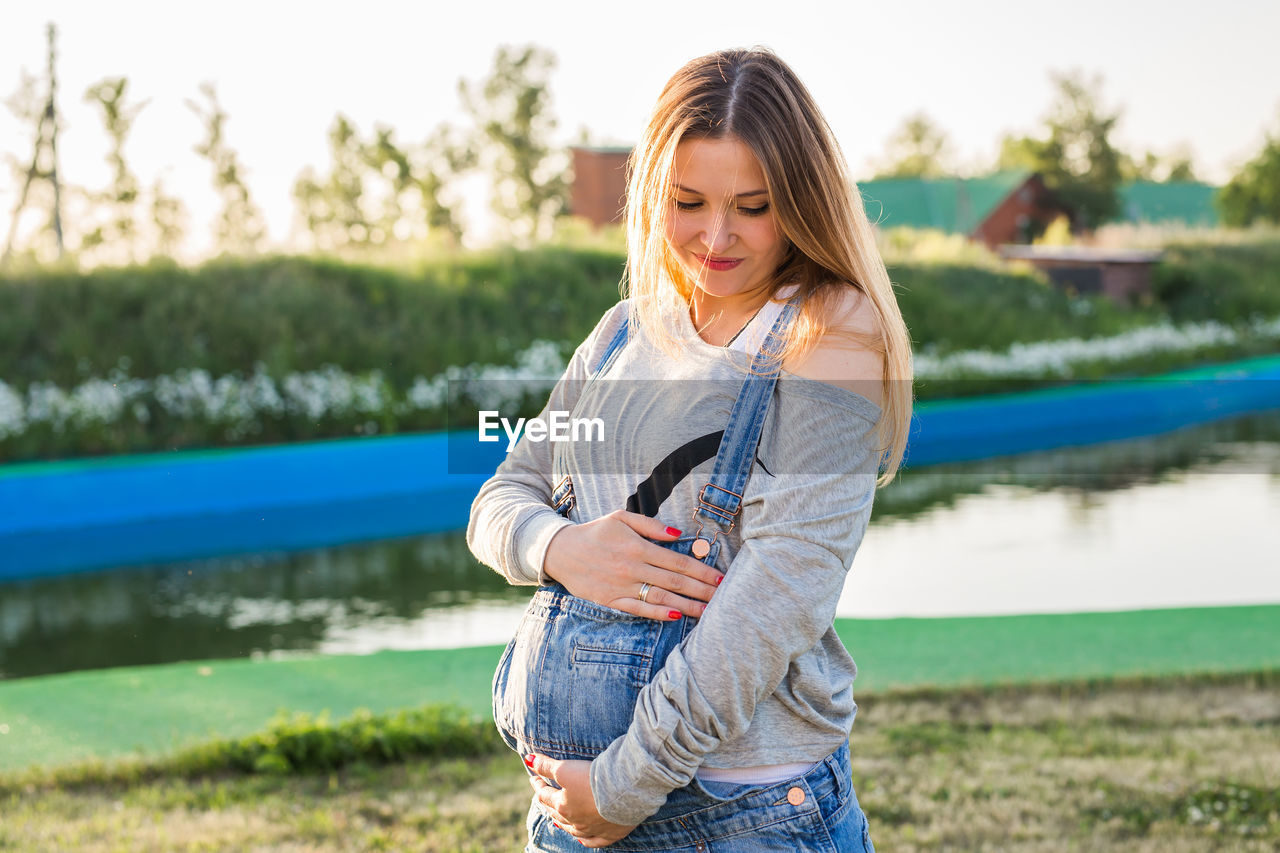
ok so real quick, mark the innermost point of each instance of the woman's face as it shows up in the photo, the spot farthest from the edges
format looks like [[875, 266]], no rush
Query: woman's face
[[721, 226]]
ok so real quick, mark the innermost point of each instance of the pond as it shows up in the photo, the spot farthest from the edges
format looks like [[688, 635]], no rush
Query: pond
[[1190, 518]]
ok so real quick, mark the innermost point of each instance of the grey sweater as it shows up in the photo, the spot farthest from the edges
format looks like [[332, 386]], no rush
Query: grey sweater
[[763, 679]]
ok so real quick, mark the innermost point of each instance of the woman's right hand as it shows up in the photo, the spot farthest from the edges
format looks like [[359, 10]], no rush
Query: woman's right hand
[[608, 560]]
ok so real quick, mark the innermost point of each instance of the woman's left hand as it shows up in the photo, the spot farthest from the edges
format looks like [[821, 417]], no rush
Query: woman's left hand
[[572, 806]]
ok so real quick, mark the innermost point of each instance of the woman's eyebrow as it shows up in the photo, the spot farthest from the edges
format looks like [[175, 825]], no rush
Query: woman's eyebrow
[[739, 195]]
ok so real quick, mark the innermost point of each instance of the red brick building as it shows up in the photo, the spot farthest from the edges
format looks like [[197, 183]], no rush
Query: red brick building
[[1005, 207], [1122, 275], [599, 189]]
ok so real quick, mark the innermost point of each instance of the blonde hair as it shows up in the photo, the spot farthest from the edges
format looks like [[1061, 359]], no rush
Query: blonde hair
[[753, 96]]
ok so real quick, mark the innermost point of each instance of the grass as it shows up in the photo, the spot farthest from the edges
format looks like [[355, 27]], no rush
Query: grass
[[1181, 763], [158, 710]]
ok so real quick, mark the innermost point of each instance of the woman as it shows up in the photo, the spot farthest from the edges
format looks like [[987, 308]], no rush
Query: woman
[[676, 682]]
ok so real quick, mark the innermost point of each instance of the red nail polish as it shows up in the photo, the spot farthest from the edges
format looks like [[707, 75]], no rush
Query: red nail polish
[[671, 531], [719, 579], [673, 614], [528, 761]]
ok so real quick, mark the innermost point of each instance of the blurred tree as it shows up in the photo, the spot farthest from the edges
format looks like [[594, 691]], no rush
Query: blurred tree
[[918, 149], [1077, 160], [1177, 166], [333, 208], [513, 126], [379, 191], [168, 220], [445, 155], [1180, 168], [118, 235], [1140, 168], [239, 228], [41, 112], [1253, 193]]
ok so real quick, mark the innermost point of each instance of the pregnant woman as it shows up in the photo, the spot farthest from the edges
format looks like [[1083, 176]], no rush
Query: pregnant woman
[[676, 682]]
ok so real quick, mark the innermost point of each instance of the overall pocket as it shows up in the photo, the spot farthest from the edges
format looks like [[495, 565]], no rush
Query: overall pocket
[[568, 682]]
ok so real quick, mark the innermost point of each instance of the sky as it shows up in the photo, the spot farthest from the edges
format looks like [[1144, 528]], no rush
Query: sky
[[1200, 75]]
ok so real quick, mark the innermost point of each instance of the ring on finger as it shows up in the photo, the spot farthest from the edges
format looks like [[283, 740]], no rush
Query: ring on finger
[[644, 592]]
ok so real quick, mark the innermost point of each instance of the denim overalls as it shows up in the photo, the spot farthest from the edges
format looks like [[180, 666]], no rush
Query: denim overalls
[[567, 683]]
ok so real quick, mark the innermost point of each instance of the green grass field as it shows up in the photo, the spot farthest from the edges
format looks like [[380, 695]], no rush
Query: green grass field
[[152, 711], [1177, 764]]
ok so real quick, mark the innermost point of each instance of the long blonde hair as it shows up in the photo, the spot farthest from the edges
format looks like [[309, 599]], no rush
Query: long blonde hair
[[753, 96]]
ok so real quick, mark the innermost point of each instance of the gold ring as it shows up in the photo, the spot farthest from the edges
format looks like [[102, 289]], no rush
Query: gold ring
[[644, 592]]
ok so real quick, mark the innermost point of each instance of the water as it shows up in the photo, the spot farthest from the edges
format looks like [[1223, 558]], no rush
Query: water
[[1187, 519]]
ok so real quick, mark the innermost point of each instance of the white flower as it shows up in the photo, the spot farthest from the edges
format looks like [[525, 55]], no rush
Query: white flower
[[13, 418], [1060, 358]]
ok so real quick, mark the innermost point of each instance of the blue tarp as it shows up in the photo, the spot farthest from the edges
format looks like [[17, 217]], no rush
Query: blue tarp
[[160, 508]]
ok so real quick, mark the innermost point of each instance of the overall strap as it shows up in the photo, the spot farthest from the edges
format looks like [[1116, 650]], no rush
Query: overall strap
[[562, 497], [721, 498], [615, 346]]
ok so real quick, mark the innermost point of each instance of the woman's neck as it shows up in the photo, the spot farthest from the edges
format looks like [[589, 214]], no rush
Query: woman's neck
[[719, 318]]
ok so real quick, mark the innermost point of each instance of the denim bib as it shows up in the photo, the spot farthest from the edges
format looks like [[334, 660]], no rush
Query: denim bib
[[568, 682]]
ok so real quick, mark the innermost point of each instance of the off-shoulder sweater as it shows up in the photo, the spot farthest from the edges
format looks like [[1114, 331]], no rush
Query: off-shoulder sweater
[[763, 678]]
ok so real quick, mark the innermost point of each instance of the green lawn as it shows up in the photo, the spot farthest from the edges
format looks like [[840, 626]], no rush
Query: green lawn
[[59, 719]]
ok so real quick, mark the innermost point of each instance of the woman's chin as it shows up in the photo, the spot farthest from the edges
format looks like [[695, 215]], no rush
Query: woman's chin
[[717, 289]]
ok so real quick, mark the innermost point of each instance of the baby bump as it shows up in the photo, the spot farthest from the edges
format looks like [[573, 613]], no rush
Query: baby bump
[[568, 682]]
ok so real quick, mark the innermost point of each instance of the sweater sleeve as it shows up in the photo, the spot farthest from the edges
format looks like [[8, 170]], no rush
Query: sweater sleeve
[[800, 529], [512, 521]]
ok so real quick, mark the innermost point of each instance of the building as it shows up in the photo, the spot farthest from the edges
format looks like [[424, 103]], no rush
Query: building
[[1005, 207], [599, 189], [1186, 202], [1122, 275]]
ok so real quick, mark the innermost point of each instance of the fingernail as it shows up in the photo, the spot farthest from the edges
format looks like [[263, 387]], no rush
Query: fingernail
[[671, 531], [719, 579], [556, 825], [673, 614], [528, 761]]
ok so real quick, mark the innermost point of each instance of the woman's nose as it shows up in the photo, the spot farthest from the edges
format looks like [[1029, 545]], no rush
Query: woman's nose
[[716, 236]]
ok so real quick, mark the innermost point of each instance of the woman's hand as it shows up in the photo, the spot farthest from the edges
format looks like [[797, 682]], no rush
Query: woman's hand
[[608, 560], [572, 806]]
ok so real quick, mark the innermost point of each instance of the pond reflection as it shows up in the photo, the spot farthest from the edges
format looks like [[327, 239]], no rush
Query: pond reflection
[[1184, 519]]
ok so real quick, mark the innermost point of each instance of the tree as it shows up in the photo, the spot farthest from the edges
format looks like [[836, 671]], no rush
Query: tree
[[513, 126], [42, 113], [445, 156], [168, 220], [1253, 193], [120, 230], [918, 149], [239, 228], [333, 207], [1177, 166], [1077, 160], [379, 191]]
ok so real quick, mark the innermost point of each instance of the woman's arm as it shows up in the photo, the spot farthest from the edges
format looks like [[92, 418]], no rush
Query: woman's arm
[[514, 530]]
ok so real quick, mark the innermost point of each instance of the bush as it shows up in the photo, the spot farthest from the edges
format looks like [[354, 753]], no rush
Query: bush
[[300, 743], [294, 348]]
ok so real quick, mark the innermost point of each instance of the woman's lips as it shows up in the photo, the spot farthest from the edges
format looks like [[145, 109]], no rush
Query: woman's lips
[[717, 264]]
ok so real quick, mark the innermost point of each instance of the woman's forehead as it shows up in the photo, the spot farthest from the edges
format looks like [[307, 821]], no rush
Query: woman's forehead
[[719, 166]]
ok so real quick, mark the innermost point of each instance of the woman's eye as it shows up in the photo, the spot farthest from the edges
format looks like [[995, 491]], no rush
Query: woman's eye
[[688, 205], [754, 211]]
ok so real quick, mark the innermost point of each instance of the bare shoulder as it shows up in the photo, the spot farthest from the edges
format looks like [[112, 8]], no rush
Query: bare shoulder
[[840, 358]]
